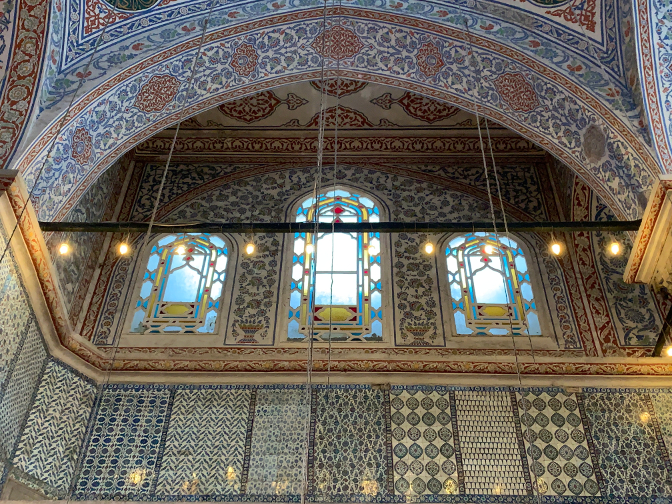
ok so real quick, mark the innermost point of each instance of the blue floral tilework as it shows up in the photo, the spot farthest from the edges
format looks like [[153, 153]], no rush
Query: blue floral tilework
[[489, 443], [279, 441], [17, 397], [205, 444], [123, 449], [662, 403], [423, 443], [52, 438], [349, 453], [625, 440], [556, 444]]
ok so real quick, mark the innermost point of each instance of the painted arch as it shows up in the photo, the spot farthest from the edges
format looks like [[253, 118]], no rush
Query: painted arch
[[535, 99]]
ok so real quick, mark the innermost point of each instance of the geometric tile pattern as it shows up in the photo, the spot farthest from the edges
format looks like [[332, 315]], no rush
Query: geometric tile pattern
[[123, 449], [279, 438], [491, 453], [556, 445], [423, 444], [630, 458], [52, 438], [349, 455], [205, 444], [662, 403], [18, 395]]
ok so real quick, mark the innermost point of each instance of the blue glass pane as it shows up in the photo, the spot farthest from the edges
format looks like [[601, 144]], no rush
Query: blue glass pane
[[533, 324], [137, 321], [293, 330], [295, 299], [153, 262], [455, 291], [376, 300], [455, 242], [366, 202], [460, 324], [217, 241], [489, 287], [526, 291], [377, 328], [167, 239], [209, 326], [521, 264], [182, 286], [499, 331], [344, 290], [146, 289]]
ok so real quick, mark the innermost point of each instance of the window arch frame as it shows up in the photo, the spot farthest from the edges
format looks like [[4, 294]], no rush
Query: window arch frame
[[137, 279], [286, 275], [536, 271]]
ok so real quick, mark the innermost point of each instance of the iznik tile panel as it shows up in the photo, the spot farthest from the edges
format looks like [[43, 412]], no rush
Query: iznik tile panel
[[18, 395], [625, 439], [54, 433], [556, 444], [123, 448], [16, 311], [489, 443], [349, 455], [205, 444], [423, 442], [662, 403], [279, 442]]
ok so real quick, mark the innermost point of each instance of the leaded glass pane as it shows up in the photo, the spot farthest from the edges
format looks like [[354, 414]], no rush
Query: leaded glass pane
[[490, 286], [182, 287], [336, 285]]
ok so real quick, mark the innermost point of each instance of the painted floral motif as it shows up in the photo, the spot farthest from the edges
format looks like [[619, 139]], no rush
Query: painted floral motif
[[429, 59], [345, 117], [337, 43], [244, 60], [158, 92], [340, 87], [82, 146], [516, 92], [418, 106], [259, 106]]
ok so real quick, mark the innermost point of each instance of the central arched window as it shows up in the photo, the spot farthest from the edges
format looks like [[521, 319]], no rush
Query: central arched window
[[490, 286], [343, 273], [181, 287]]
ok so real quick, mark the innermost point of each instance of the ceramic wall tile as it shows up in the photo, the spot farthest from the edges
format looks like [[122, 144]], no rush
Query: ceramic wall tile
[[52, 438], [490, 443], [279, 440], [662, 403], [423, 442], [349, 456], [625, 440], [205, 444], [123, 446], [18, 394], [556, 445]]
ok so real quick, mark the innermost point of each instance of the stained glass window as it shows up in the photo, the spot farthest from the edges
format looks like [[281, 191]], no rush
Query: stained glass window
[[343, 273], [182, 284], [490, 286]]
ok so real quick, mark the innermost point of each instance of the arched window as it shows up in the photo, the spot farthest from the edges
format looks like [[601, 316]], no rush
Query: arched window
[[490, 286], [344, 273], [181, 286]]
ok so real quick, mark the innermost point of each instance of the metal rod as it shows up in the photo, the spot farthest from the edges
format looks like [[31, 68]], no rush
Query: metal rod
[[338, 227]]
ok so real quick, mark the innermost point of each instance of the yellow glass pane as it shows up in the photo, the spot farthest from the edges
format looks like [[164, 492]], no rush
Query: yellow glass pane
[[494, 311], [175, 309]]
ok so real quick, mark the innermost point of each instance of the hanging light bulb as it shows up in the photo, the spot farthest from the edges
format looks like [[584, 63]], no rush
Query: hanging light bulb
[[123, 248], [615, 248], [429, 248], [249, 248], [556, 248], [64, 248], [668, 351], [373, 250], [310, 248], [180, 250], [489, 249]]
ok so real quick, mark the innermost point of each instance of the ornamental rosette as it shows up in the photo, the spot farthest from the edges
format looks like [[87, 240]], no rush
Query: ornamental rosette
[[516, 92], [429, 59], [337, 43], [82, 146], [244, 60], [158, 92]]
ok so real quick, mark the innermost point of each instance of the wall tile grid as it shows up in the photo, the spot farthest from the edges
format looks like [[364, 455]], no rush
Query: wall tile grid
[[411, 444]]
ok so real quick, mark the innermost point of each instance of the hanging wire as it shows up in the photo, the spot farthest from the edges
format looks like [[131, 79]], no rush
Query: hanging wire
[[478, 77], [61, 125], [317, 187]]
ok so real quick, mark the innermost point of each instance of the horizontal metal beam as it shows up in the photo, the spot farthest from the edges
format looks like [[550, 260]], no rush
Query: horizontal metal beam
[[297, 227]]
